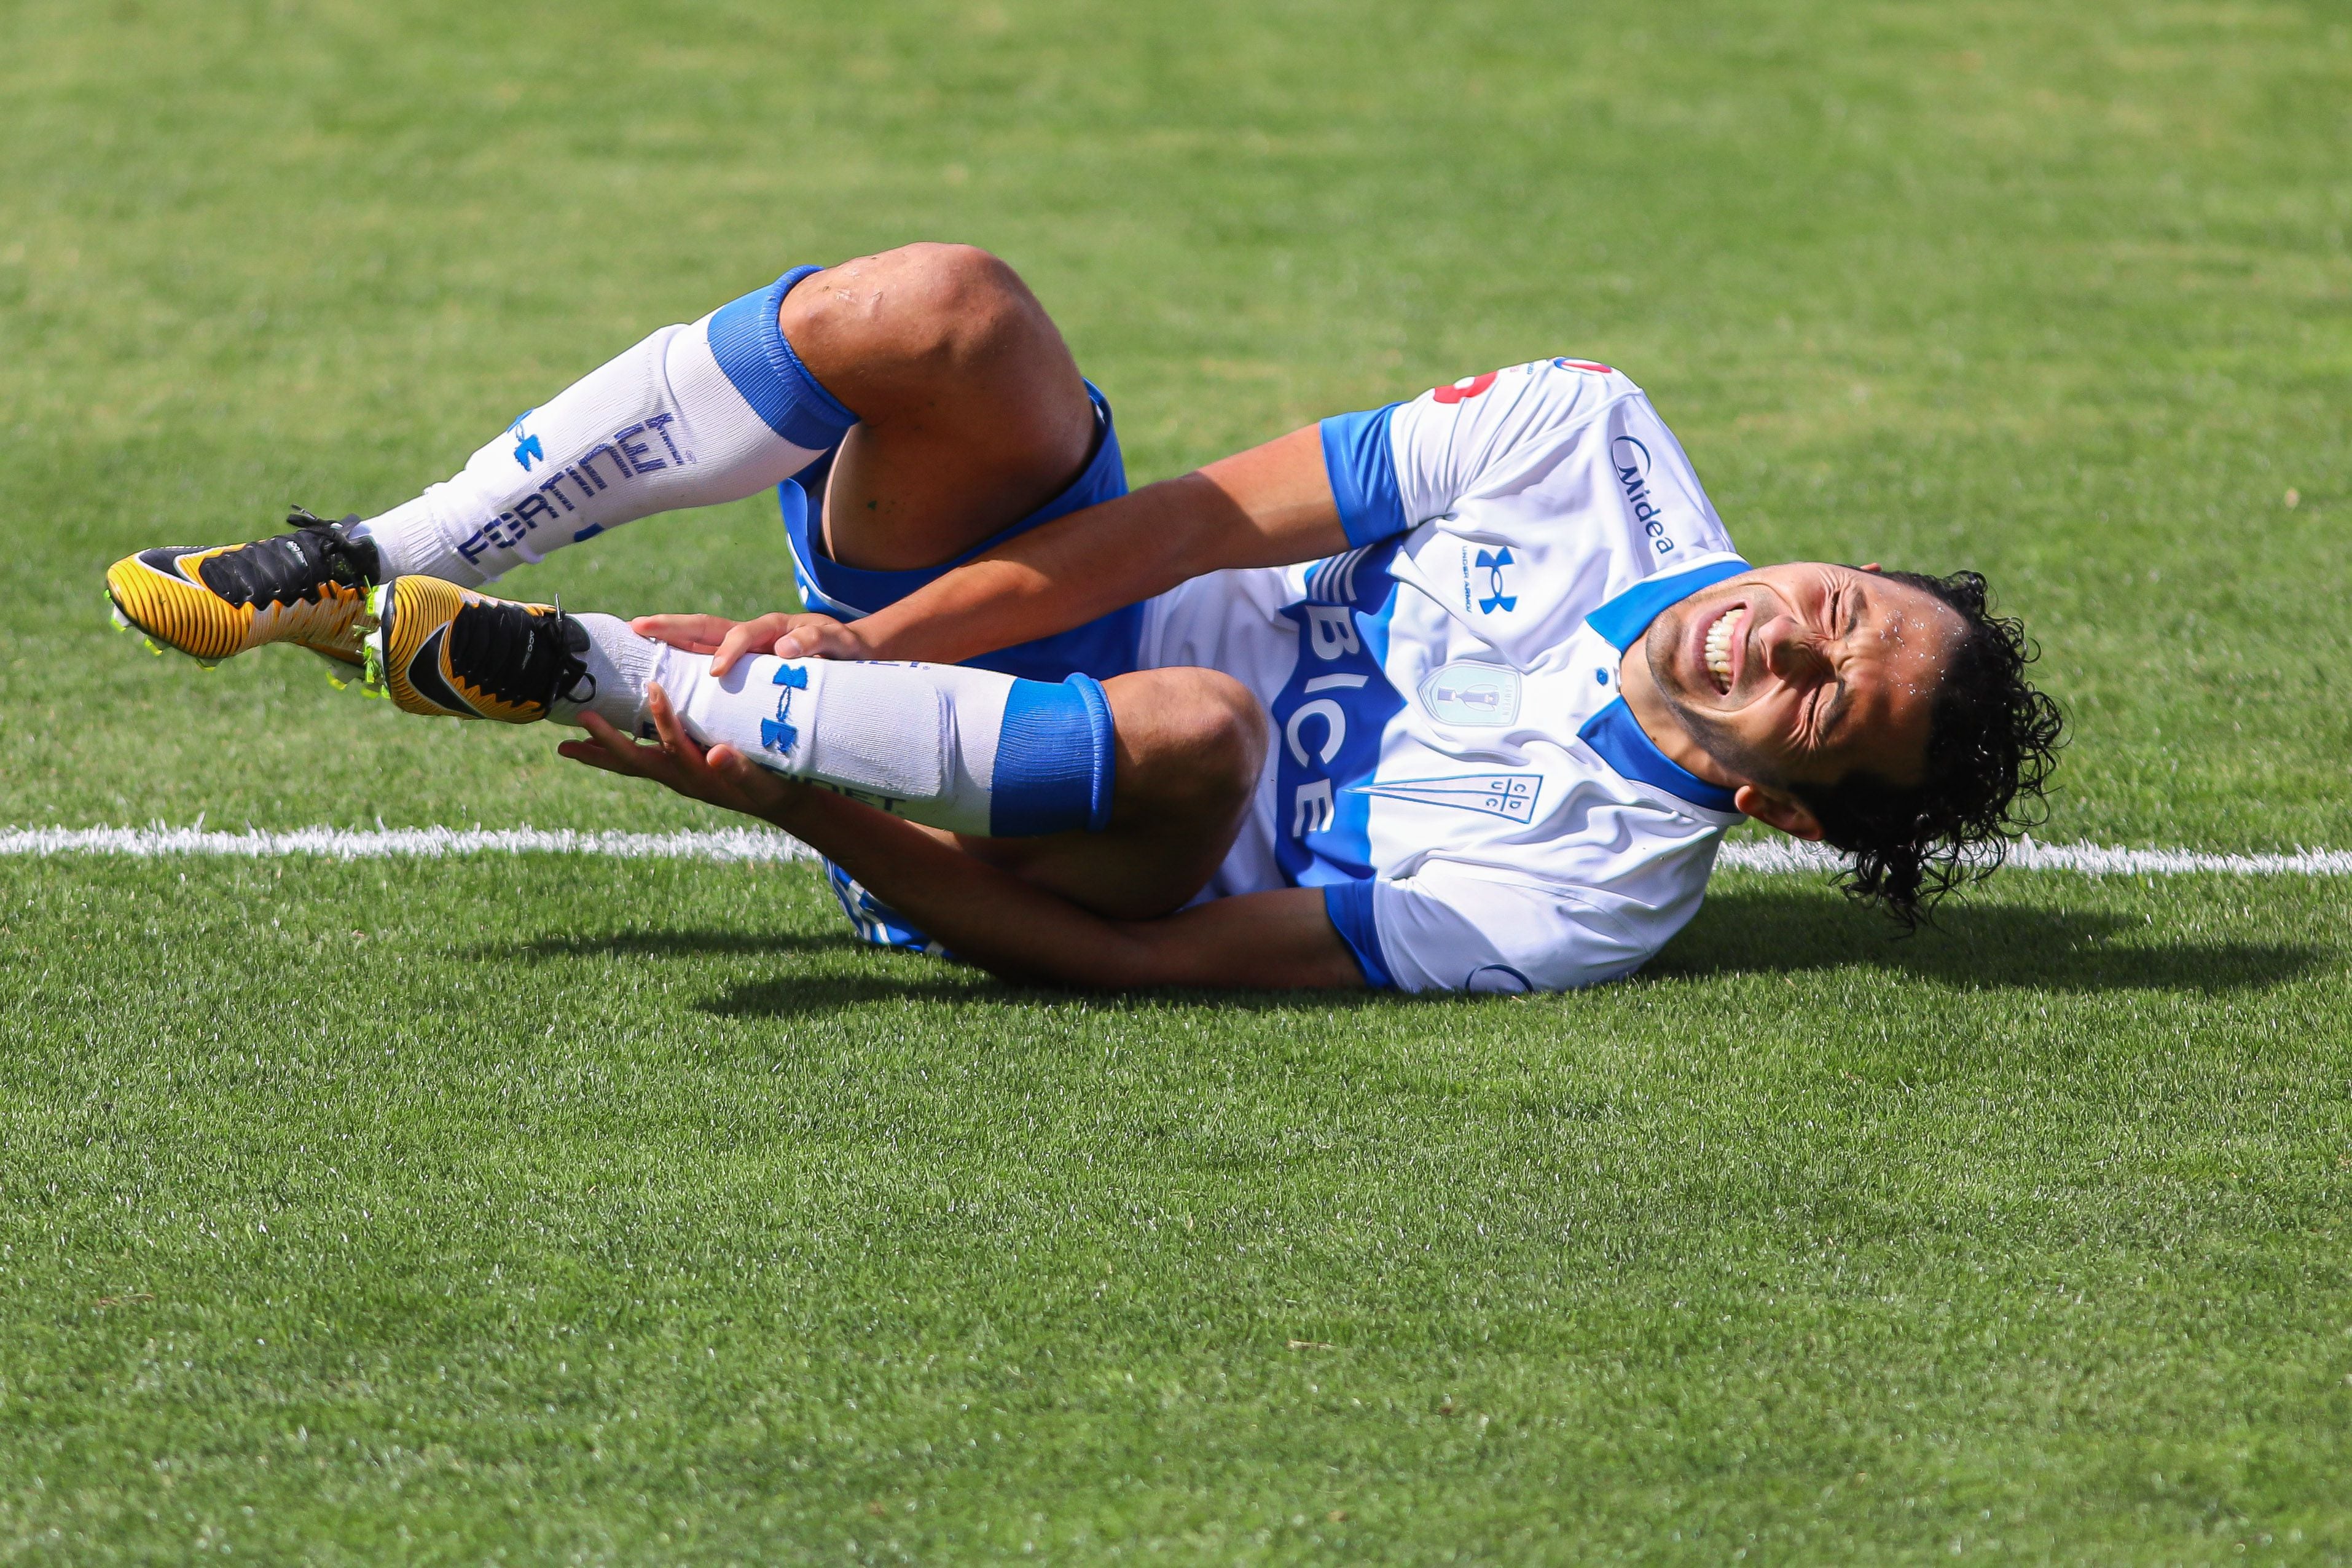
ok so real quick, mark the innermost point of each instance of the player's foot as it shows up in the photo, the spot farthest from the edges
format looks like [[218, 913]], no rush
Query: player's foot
[[304, 587], [439, 649], [874, 921]]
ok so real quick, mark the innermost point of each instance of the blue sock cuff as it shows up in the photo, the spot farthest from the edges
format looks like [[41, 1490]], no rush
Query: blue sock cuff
[[751, 348], [1054, 760]]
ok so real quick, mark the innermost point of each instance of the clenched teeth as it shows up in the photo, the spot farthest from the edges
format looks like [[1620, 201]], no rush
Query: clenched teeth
[[1718, 649]]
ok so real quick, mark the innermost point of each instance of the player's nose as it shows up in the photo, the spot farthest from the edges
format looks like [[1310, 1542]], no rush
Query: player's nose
[[1793, 651]]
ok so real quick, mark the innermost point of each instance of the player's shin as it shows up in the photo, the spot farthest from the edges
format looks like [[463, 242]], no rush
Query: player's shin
[[691, 417], [966, 749]]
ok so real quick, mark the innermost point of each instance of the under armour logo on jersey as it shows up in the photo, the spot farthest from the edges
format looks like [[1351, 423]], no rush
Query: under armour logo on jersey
[[1492, 561]]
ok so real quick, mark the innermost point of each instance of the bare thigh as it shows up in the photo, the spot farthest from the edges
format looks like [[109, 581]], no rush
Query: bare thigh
[[972, 413]]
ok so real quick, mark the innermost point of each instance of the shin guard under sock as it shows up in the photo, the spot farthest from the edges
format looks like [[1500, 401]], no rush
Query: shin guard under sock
[[966, 749], [691, 417]]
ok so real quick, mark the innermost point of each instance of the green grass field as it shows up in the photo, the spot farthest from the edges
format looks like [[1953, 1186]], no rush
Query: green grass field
[[551, 1209]]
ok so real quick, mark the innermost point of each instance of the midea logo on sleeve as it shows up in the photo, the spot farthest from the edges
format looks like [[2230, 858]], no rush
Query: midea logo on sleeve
[[1632, 460]]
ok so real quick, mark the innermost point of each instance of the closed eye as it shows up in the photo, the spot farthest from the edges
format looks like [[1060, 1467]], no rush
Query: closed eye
[[1830, 708], [1837, 706]]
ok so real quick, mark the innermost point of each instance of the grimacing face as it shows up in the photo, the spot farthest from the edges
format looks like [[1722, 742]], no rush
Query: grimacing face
[[1800, 674]]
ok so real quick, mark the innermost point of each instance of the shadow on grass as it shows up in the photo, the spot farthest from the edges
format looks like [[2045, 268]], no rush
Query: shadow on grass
[[675, 944], [907, 977], [1979, 945], [788, 997], [1971, 945]]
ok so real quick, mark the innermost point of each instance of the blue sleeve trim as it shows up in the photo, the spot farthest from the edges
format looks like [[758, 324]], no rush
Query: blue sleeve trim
[[1357, 455], [1054, 759], [751, 349], [1350, 905]]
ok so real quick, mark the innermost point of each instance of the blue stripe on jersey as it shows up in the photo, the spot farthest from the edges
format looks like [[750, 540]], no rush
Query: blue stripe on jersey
[[1330, 718], [1357, 454], [1350, 905], [1629, 615], [1625, 745], [751, 348]]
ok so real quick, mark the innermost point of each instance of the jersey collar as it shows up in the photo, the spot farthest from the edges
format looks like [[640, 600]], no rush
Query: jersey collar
[[1613, 732], [1629, 615]]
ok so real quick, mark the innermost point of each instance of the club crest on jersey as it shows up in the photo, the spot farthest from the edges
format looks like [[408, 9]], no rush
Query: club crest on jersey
[[1472, 696]]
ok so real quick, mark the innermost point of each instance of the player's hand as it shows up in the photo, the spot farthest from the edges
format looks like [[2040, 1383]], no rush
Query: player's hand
[[803, 636], [695, 634], [722, 776], [787, 636]]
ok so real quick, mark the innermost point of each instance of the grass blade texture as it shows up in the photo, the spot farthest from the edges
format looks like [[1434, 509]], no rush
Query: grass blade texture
[[549, 1209]]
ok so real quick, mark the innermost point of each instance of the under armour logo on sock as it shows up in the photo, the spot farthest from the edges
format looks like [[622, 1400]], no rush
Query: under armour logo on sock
[[779, 735], [527, 448]]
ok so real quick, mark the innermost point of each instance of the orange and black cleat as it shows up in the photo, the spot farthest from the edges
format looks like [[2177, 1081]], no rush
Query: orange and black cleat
[[306, 587], [441, 650]]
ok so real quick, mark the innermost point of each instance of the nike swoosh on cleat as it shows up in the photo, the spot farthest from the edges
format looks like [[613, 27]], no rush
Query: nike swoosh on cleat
[[425, 677], [165, 562]]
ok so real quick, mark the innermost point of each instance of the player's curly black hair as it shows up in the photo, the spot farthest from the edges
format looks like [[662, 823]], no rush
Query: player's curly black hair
[[1992, 742]]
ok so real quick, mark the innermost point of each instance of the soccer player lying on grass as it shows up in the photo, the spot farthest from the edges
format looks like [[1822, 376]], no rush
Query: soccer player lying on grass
[[1460, 693]]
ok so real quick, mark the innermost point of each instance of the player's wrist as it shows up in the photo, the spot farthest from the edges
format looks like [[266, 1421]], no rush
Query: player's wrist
[[788, 807]]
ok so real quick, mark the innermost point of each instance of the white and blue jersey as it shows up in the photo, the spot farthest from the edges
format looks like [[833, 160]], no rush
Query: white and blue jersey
[[1450, 761]]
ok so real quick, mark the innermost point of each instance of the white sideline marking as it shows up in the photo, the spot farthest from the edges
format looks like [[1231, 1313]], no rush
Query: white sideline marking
[[760, 845], [726, 844], [2090, 860]]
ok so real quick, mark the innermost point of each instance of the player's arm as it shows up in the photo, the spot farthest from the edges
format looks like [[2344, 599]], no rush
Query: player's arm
[[1271, 940], [986, 916], [1269, 506]]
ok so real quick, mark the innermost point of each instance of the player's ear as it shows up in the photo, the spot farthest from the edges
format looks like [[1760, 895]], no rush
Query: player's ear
[[1775, 809]]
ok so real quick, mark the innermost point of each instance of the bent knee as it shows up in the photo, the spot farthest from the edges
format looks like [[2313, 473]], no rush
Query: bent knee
[[926, 301], [1231, 730], [1193, 742]]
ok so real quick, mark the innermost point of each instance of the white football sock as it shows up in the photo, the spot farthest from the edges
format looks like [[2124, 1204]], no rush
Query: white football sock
[[691, 417], [967, 750], [621, 663]]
